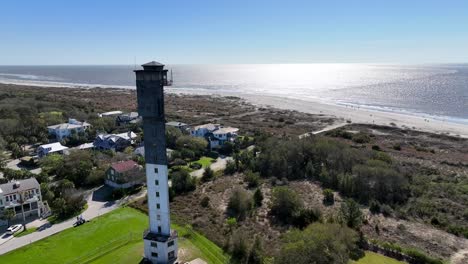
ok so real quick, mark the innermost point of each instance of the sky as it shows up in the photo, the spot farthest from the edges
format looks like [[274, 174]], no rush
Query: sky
[[107, 32]]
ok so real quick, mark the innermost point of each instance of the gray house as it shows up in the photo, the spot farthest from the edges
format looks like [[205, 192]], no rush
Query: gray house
[[116, 142], [23, 196]]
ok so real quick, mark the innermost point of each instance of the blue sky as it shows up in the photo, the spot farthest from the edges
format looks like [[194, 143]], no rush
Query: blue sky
[[199, 31]]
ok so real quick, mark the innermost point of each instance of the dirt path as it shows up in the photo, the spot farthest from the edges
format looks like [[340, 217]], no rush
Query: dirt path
[[327, 128], [461, 256]]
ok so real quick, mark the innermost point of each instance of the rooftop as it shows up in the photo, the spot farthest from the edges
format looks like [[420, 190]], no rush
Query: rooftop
[[208, 126], [72, 124], [226, 130], [153, 63], [123, 166], [19, 186], [175, 123], [54, 147], [127, 136]]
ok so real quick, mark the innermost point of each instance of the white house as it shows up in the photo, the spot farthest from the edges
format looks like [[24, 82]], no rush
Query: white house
[[64, 130], [203, 130], [181, 126], [44, 150], [216, 134], [21, 196]]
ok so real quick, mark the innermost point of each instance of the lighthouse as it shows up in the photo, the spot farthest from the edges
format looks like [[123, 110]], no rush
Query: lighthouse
[[159, 240]]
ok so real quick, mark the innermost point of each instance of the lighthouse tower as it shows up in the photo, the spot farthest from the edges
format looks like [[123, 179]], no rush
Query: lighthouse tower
[[160, 241]]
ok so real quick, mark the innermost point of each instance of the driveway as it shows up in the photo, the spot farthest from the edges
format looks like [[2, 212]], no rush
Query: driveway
[[96, 207], [219, 164]]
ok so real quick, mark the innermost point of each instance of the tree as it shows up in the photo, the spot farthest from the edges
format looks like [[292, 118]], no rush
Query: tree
[[319, 244], [182, 182], [195, 144], [231, 223], [230, 168], [51, 163], [285, 203], [252, 179], [256, 254], [258, 198], [208, 174], [328, 197], [76, 167], [172, 134], [240, 203], [8, 215], [239, 248], [350, 214]]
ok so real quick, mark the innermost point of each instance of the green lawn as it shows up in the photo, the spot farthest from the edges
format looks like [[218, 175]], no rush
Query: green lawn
[[192, 244], [26, 232], [69, 244], [204, 161], [373, 258], [115, 238]]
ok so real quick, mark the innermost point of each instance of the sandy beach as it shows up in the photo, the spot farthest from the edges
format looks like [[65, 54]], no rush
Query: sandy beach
[[363, 116]]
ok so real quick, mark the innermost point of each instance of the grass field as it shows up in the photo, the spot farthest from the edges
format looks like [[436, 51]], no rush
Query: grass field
[[115, 238], [374, 258], [204, 161], [26, 232]]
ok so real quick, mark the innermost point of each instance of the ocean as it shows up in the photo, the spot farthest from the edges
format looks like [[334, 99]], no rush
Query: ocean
[[439, 91]]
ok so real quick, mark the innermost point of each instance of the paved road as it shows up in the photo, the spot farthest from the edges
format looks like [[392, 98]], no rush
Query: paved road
[[96, 207], [219, 164]]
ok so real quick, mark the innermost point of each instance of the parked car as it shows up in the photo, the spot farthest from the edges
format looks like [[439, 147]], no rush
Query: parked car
[[14, 229]]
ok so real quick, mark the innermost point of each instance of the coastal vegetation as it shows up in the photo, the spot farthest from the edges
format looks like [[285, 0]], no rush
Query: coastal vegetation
[[394, 188]]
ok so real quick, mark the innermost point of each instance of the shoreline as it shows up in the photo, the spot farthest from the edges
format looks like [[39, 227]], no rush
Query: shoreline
[[366, 116], [358, 115], [343, 113]]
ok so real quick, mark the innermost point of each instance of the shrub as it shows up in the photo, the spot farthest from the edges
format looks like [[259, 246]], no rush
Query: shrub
[[328, 197], [386, 210], [195, 165], [374, 207], [180, 162], [182, 182], [285, 203], [376, 148], [212, 154], [230, 167], [208, 175], [350, 214], [361, 138], [308, 245], [307, 217], [205, 201], [397, 147], [258, 198], [240, 204], [252, 179]]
